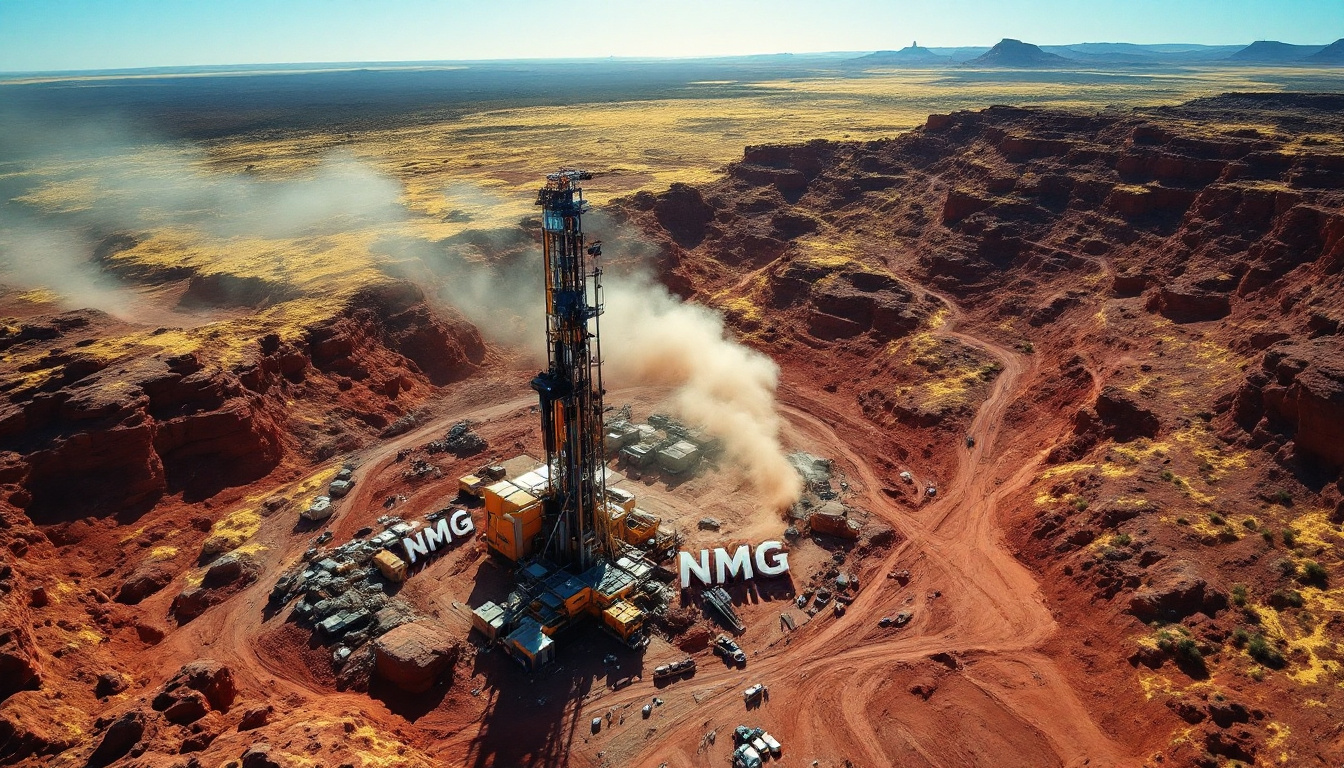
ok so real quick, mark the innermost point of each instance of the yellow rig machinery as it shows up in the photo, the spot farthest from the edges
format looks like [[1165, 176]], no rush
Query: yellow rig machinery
[[579, 546]]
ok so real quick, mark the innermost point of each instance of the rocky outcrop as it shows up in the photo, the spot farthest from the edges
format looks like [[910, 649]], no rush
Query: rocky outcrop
[[197, 688], [143, 582], [224, 578], [960, 204], [119, 437], [1298, 394], [1186, 303], [683, 213], [413, 656], [118, 740], [843, 303], [1116, 415], [1174, 590], [102, 435]]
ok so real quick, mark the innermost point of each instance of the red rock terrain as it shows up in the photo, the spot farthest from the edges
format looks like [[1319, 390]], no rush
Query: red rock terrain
[[1175, 430], [1134, 561]]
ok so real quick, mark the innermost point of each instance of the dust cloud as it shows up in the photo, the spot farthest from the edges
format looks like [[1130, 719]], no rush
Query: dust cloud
[[77, 185], [651, 337], [69, 186]]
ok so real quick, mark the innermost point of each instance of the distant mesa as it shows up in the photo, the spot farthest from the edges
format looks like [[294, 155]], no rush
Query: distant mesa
[[910, 55], [1017, 54], [1330, 54], [1273, 51]]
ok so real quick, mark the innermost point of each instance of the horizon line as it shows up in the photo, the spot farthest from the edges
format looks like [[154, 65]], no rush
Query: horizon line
[[334, 63]]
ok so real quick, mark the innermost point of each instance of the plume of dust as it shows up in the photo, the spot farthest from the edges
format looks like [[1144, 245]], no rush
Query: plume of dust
[[135, 181], [651, 337]]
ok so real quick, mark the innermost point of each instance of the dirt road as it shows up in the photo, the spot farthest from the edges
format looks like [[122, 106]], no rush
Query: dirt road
[[841, 692], [843, 689]]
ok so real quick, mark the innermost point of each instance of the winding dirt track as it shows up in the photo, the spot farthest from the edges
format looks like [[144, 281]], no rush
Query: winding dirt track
[[839, 689], [831, 684]]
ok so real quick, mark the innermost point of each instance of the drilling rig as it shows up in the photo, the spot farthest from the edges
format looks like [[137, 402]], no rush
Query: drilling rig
[[570, 390], [578, 547]]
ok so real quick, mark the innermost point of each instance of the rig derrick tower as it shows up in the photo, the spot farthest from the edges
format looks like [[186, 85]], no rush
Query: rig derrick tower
[[570, 390]]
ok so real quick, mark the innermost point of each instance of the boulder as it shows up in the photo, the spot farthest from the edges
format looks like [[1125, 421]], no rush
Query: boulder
[[1176, 589], [190, 603], [228, 570], [1188, 303], [259, 756], [1122, 417], [412, 656], [109, 684], [256, 717], [143, 582], [211, 682], [123, 734], [187, 706]]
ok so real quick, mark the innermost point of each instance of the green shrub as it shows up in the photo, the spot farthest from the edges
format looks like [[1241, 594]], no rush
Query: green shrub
[[1249, 524], [1187, 651], [1080, 504], [1268, 536], [1264, 651], [1216, 518], [1122, 540], [1182, 521], [1167, 475], [1286, 598], [1239, 594], [1281, 497], [1240, 637], [1286, 567], [1313, 573], [1289, 537]]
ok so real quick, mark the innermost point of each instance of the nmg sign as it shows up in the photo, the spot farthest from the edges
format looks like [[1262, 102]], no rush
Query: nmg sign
[[431, 538], [770, 560]]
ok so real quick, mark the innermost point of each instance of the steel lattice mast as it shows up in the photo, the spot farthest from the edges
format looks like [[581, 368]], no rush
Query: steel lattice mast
[[570, 390]]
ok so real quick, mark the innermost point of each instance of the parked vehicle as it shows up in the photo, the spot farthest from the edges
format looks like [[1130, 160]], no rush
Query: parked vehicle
[[725, 647], [755, 692], [746, 756], [675, 669], [771, 744]]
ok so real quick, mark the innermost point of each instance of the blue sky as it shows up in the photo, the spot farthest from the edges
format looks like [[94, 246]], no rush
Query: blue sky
[[38, 35]]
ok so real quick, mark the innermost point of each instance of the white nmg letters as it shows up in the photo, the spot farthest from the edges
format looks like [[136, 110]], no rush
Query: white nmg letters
[[457, 526], [736, 565]]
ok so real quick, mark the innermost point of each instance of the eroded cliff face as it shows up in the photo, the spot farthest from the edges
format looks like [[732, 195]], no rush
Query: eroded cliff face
[[88, 434]]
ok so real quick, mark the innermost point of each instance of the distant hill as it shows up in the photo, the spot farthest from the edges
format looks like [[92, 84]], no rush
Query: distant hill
[[909, 55], [1272, 51], [1015, 53], [1330, 54], [1130, 53]]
